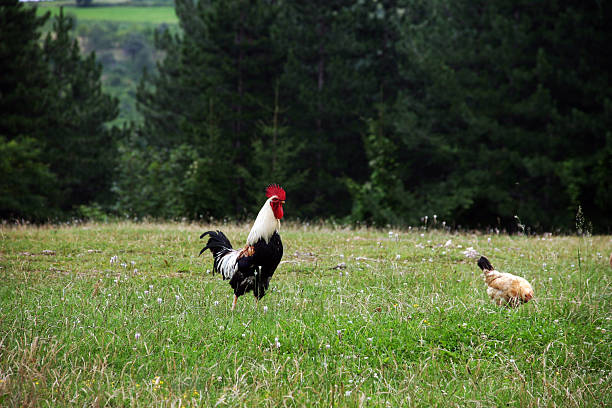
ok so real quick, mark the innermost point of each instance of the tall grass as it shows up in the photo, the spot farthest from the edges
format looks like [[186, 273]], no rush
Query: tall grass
[[353, 318]]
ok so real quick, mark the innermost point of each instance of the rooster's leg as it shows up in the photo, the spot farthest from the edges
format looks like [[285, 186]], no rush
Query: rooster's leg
[[257, 274], [234, 302]]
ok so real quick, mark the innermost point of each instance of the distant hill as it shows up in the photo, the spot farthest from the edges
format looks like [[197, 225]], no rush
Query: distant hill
[[121, 35]]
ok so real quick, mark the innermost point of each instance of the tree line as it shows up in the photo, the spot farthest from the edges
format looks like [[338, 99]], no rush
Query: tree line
[[381, 112]]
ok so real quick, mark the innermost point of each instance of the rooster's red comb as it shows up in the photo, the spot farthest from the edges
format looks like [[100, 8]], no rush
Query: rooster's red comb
[[275, 190]]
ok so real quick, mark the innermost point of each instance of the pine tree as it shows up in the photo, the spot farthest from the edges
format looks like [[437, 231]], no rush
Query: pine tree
[[26, 184], [210, 93], [24, 79], [53, 115], [487, 124], [80, 147], [325, 109]]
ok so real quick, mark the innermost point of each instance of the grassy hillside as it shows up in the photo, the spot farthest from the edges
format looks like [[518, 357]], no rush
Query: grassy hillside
[[122, 38], [125, 14], [128, 314]]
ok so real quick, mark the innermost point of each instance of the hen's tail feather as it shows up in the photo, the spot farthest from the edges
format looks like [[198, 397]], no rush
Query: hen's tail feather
[[485, 264]]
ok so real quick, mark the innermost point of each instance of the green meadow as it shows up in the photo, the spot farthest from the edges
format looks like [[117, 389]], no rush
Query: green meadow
[[127, 314], [125, 14]]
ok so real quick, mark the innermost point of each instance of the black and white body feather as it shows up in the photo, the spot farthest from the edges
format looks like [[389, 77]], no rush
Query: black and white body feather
[[250, 268], [225, 257]]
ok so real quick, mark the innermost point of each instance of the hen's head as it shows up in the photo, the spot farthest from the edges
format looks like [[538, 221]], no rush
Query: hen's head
[[522, 291], [277, 196]]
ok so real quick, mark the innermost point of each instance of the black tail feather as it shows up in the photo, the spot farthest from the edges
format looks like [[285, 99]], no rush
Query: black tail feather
[[216, 243], [485, 264]]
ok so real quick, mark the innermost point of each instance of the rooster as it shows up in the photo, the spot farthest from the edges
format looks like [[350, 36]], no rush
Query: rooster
[[251, 268], [505, 288]]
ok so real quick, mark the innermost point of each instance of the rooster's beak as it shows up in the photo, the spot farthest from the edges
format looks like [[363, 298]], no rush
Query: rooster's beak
[[283, 202]]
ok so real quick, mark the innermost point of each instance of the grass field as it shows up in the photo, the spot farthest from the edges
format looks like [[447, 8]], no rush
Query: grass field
[[126, 14], [406, 323]]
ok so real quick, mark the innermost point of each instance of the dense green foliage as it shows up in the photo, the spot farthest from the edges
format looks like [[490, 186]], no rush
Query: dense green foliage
[[126, 315], [497, 116], [389, 111], [384, 112], [57, 152]]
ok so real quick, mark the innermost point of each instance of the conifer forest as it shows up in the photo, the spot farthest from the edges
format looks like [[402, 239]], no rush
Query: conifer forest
[[465, 113]]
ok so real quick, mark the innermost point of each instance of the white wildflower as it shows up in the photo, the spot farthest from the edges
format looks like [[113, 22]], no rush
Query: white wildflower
[[265, 309], [470, 253], [136, 335], [159, 300]]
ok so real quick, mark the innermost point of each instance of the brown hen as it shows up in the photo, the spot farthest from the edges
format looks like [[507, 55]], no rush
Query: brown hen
[[503, 288]]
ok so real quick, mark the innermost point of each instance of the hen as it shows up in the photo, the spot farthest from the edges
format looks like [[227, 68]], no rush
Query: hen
[[251, 268], [505, 289]]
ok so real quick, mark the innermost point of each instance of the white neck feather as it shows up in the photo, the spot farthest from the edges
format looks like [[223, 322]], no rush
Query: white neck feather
[[265, 224]]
